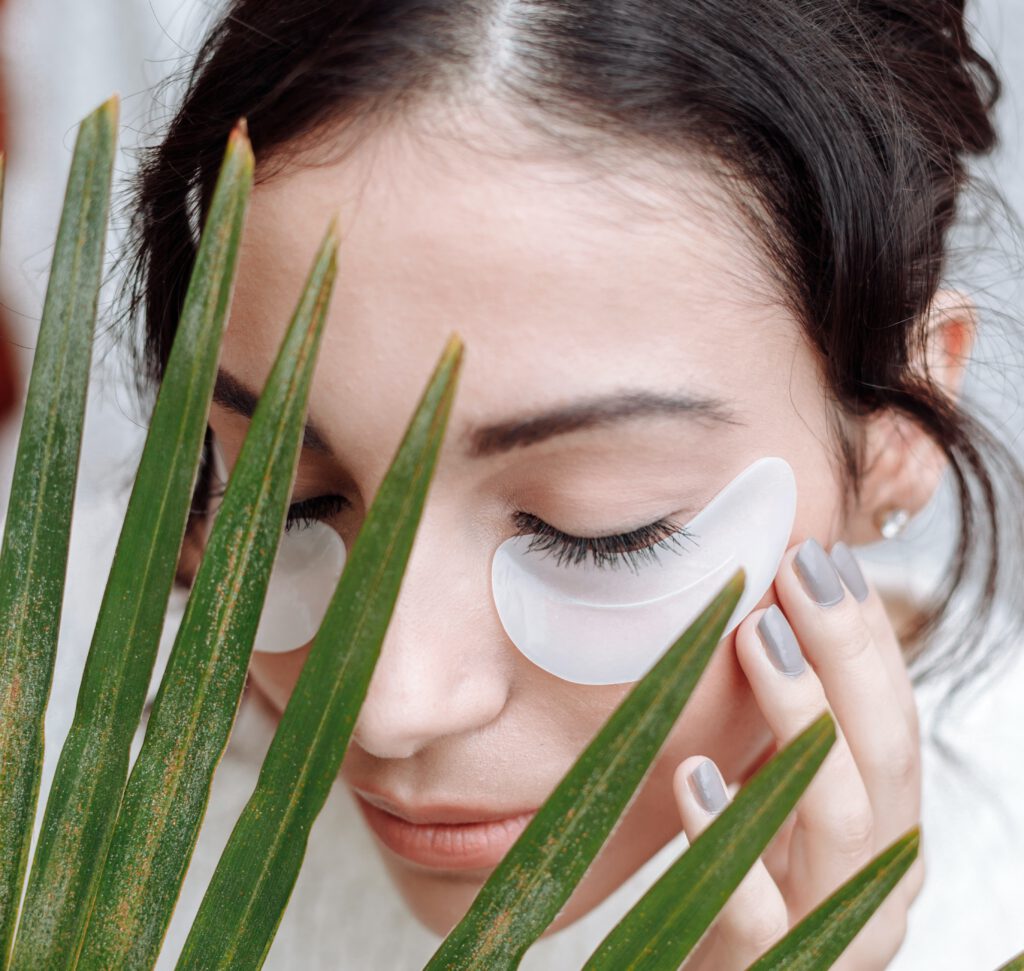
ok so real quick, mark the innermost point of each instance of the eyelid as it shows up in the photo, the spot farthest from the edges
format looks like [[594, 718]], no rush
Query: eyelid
[[529, 520], [611, 550]]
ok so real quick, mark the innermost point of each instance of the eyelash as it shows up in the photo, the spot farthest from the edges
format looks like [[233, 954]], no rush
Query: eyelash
[[607, 551], [629, 548], [309, 511]]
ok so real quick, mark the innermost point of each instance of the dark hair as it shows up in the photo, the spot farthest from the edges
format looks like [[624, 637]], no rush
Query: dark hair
[[848, 125]]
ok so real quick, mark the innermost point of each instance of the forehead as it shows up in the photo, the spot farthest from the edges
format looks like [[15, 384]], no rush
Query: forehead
[[562, 277]]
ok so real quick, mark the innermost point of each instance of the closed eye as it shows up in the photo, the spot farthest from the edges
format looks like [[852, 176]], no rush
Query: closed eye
[[607, 551], [630, 549], [316, 509]]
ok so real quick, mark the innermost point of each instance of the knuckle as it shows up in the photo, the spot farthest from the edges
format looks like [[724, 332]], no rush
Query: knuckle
[[896, 934], [760, 928], [899, 766], [888, 944], [905, 765], [914, 879], [887, 929], [853, 832], [854, 844], [852, 637], [804, 710]]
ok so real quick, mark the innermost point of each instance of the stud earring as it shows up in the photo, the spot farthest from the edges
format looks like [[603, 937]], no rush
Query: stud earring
[[892, 522]]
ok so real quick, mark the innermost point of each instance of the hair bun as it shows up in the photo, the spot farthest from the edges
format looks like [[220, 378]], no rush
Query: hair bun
[[927, 45]]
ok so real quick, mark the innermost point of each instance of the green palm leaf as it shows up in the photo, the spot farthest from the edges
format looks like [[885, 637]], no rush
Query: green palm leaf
[[169, 787], [246, 898], [818, 940], [531, 884], [33, 561], [666, 923], [90, 775], [150, 828]]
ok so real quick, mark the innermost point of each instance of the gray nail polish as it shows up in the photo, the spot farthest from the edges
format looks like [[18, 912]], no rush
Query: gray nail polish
[[780, 642], [818, 575], [708, 787], [846, 563]]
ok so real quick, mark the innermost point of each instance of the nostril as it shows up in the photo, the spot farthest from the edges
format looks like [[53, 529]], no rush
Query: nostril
[[380, 746], [399, 718]]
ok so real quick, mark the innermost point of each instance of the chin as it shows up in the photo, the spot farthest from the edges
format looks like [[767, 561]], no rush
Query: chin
[[439, 899], [440, 911]]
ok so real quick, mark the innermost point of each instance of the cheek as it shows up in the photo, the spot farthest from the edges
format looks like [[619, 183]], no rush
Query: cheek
[[557, 719], [821, 498], [820, 511], [721, 719], [275, 674]]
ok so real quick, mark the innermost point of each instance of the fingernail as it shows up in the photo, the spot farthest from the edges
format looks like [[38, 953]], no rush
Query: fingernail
[[780, 642], [846, 563], [818, 575], [708, 786]]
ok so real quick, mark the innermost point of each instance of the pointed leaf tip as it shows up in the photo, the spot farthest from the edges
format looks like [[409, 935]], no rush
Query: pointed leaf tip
[[826, 726], [105, 116], [332, 230], [111, 107], [454, 347], [239, 145]]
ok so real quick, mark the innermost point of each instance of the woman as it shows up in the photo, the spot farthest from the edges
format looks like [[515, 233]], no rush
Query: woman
[[741, 205]]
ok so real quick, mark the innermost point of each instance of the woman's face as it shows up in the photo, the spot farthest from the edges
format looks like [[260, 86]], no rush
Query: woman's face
[[565, 287]]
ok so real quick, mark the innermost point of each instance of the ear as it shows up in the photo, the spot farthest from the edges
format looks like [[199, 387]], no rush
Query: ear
[[903, 465]]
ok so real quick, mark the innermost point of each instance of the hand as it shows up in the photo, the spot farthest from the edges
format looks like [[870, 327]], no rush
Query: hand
[[866, 793]]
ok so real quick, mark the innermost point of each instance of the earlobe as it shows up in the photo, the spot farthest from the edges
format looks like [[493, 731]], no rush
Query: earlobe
[[903, 465], [903, 468]]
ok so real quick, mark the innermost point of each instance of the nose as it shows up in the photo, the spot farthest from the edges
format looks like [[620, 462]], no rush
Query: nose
[[444, 666]]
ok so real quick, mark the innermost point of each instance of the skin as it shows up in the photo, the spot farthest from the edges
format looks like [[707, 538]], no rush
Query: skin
[[565, 283]]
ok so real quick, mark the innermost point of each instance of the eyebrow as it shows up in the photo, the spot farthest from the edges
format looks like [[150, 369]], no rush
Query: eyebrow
[[230, 393], [504, 436]]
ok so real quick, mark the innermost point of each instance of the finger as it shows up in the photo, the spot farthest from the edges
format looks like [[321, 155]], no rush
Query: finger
[[754, 917], [833, 832], [878, 622], [776, 854], [831, 629]]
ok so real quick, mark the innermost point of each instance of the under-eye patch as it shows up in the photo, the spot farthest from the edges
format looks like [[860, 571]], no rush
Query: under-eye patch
[[306, 570], [578, 621], [591, 625]]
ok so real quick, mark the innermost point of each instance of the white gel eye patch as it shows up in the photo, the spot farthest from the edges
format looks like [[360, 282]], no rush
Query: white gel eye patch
[[595, 625], [306, 570]]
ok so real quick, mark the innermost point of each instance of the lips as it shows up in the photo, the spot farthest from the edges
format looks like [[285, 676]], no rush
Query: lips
[[476, 839], [440, 813]]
